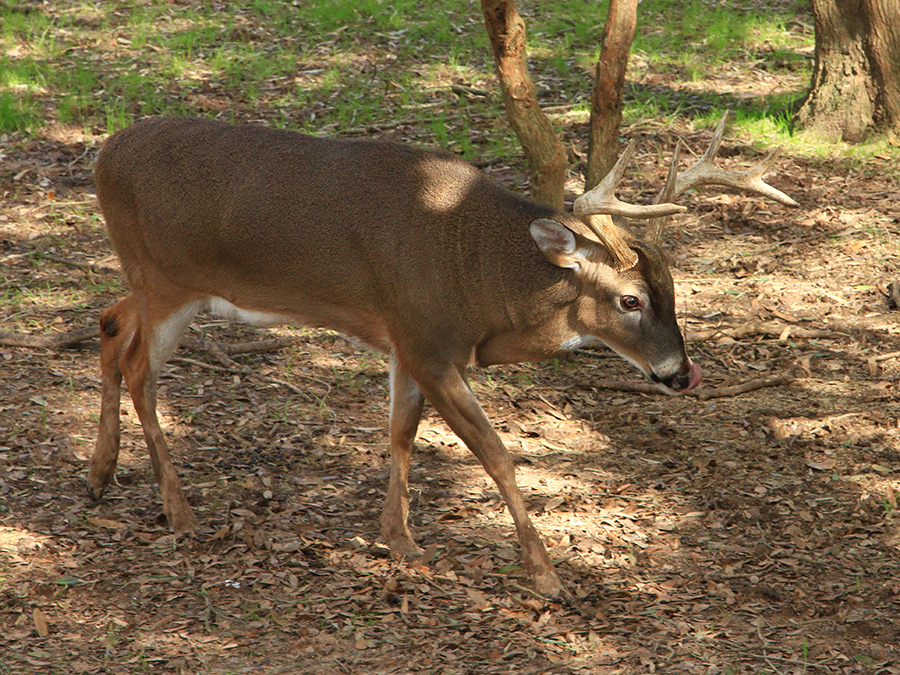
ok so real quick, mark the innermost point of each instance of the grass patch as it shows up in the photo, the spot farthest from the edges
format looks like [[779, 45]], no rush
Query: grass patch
[[17, 113], [345, 66]]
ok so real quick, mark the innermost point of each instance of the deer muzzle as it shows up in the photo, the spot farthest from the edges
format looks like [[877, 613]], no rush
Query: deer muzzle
[[683, 382]]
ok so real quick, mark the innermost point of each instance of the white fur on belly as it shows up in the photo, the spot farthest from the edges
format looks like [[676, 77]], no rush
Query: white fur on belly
[[225, 310]]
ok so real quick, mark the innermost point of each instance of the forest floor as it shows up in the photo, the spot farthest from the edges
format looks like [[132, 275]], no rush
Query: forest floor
[[746, 533]]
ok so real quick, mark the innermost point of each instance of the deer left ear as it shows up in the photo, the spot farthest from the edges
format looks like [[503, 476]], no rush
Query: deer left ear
[[557, 242]]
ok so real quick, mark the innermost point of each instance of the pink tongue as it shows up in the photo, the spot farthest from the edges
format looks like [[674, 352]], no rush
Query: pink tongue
[[696, 377]]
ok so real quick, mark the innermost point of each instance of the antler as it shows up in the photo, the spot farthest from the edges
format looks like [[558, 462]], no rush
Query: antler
[[705, 173], [596, 206]]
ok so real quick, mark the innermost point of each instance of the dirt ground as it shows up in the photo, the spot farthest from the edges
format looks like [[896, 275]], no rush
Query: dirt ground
[[750, 533]]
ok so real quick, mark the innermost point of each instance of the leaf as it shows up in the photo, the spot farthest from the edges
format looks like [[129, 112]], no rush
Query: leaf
[[106, 522], [554, 503], [825, 465], [40, 623], [872, 367], [509, 569], [478, 598]]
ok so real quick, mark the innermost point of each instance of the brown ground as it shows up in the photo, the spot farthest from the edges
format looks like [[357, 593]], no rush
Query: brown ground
[[755, 533]]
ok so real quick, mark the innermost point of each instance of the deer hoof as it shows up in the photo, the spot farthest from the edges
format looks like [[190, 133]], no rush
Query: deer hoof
[[549, 585], [405, 547], [183, 522], [95, 493]]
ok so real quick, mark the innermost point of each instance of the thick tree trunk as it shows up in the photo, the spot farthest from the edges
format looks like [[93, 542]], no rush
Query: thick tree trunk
[[856, 79], [545, 153], [884, 48], [606, 104]]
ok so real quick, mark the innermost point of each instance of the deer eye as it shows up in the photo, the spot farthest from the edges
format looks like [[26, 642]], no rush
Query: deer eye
[[630, 303]]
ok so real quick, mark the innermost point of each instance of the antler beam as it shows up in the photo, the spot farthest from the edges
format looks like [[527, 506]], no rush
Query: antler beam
[[595, 207], [704, 172], [602, 200]]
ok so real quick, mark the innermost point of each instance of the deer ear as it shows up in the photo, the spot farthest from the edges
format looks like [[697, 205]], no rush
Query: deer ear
[[557, 242]]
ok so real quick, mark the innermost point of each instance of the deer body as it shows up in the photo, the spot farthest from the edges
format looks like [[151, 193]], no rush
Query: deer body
[[415, 252]]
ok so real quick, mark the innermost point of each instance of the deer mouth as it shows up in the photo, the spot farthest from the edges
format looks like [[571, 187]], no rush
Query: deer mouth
[[682, 382]]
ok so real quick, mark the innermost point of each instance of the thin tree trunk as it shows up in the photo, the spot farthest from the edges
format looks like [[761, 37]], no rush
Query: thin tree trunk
[[545, 153], [607, 104]]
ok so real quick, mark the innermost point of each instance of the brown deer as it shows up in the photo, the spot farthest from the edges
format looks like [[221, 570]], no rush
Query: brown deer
[[415, 252]]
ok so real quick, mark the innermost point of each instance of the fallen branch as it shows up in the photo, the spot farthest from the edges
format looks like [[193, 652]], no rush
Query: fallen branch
[[751, 385], [56, 342], [703, 394], [80, 335], [232, 349], [764, 328]]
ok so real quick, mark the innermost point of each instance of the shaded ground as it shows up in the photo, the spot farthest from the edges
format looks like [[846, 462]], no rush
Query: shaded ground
[[746, 534], [754, 533]]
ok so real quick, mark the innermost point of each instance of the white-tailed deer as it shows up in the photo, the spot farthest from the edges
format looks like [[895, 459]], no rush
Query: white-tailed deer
[[415, 252]]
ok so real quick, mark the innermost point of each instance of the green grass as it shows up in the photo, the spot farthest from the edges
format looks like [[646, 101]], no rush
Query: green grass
[[345, 66]]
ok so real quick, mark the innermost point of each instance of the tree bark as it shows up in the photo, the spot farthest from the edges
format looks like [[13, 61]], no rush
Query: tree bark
[[855, 85], [545, 153], [884, 42], [607, 103]]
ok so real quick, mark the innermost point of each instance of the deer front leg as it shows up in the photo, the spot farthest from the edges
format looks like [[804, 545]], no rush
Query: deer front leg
[[151, 345], [406, 411], [450, 394]]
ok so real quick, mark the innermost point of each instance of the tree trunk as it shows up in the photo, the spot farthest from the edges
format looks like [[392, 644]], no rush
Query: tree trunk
[[884, 46], [606, 104], [545, 153], [856, 79]]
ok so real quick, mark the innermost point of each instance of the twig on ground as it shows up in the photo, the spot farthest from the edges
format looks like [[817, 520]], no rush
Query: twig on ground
[[17, 8], [185, 361], [781, 659], [884, 357], [245, 370], [631, 387], [86, 267]]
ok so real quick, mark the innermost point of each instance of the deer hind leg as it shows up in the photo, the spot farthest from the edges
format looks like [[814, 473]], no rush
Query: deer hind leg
[[406, 411], [450, 394], [117, 326], [138, 355]]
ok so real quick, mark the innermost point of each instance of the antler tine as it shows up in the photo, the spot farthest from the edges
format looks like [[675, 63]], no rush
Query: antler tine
[[705, 173], [602, 200], [667, 194], [595, 207]]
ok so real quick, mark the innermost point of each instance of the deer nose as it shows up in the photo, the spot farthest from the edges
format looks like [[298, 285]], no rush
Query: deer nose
[[681, 382], [684, 382]]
